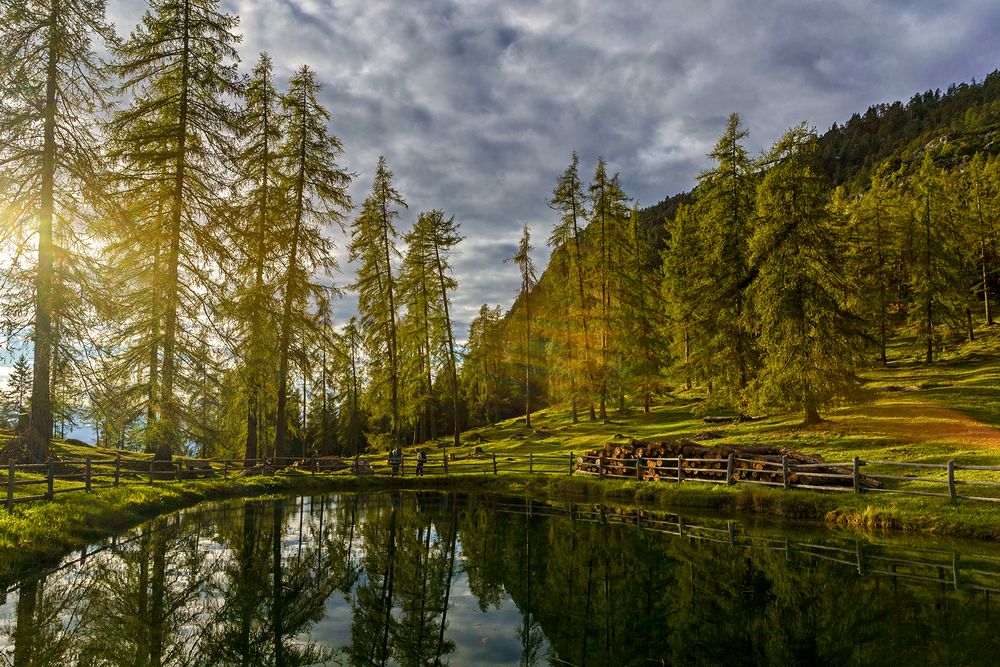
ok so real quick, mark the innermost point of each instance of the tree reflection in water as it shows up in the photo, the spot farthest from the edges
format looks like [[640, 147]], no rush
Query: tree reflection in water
[[429, 579]]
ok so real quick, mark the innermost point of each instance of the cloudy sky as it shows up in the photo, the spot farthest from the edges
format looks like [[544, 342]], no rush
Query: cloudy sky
[[477, 104]]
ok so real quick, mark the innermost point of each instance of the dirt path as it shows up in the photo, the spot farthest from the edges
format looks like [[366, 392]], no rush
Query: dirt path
[[925, 422]]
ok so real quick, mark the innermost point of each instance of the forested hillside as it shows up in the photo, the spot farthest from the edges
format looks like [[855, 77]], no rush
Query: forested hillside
[[776, 278], [169, 271]]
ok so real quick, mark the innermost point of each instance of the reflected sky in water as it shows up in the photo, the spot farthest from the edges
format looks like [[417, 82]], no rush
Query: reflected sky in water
[[429, 578]]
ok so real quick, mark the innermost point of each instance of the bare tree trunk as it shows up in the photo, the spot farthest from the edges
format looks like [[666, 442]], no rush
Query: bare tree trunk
[[281, 425], [928, 299], [452, 361], [40, 425], [168, 410]]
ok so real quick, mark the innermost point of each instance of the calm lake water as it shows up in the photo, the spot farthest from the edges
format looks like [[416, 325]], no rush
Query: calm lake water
[[428, 578]]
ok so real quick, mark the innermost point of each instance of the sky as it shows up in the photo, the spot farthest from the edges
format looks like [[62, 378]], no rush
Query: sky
[[477, 104]]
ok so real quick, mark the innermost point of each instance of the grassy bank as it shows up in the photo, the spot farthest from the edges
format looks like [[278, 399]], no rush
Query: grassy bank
[[39, 534], [916, 413]]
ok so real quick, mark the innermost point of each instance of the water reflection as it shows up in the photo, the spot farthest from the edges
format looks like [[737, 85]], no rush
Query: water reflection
[[428, 579]]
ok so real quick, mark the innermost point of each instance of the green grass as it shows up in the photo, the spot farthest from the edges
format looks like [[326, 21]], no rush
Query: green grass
[[916, 413]]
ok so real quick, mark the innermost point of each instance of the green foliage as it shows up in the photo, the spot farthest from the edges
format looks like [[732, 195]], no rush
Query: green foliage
[[373, 244], [317, 197], [811, 342]]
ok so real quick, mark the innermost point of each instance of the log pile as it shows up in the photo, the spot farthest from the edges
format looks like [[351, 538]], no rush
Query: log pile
[[655, 461]]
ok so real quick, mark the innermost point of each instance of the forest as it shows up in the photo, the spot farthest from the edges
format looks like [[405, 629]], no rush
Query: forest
[[168, 271]]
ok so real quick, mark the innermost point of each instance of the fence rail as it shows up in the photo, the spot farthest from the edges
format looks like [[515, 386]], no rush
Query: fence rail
[[43, 481]]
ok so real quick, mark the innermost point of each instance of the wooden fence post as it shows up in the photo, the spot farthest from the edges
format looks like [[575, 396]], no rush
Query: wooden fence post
[[951, 480], [494, 463], [600, 466], [179, 469], [680, 467], [571, 464], [10, 484], [225, 469], [531, 462], [87, 475], [50, 478], [638, 469], [118, 469], [784, 472], [729, 470], [152, 469], [445, 457], [315, 466], [856, 475]]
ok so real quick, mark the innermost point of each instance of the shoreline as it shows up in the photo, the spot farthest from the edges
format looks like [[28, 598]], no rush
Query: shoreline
[[40, 534]]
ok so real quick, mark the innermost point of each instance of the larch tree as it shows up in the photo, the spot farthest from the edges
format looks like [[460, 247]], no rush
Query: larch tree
[[724, 211], [482, 362], [569, 200], [608, 217], [873, 251], [811, 342], [526, 267], [443, 236], [317, 197], [419, 335], [170, 148], [350, 381], [680, 289], [262, 192], [642, 350], [373, 244], [53, 87], [936, 286], [983, 177]]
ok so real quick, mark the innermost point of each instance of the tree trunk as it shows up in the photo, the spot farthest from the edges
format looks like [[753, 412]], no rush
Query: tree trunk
[[168, 410], [40, 425], [452, 361], [982, 258], [527, 359], [281, 445], [393, 343]]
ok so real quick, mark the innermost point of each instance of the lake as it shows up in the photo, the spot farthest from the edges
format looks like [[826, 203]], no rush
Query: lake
[[433, 578]]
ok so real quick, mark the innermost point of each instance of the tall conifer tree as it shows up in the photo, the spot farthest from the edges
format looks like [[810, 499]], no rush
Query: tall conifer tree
[[317, 197], [373, 243], [528, 280], [171, 147], [53, 86], [262, 193], [812, 343], [569, 200]]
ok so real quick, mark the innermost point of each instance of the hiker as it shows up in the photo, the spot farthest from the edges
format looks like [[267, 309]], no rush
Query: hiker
[[421, 460], [395, 458]]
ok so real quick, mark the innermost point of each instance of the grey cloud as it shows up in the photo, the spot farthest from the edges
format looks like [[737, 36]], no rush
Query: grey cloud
[[477, 104]]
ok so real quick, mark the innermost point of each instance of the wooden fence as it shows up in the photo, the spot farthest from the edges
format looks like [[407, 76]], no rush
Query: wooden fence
[[43, 481], [790, 474]]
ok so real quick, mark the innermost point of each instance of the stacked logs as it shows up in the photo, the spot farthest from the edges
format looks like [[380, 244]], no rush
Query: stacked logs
[[760, 463]]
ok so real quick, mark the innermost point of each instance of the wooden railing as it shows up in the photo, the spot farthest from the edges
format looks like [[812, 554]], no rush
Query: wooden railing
[[790, 474], [43, 481]]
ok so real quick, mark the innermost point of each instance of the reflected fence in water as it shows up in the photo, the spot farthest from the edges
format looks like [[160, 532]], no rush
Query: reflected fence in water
[[979, 572], [946, 567]]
